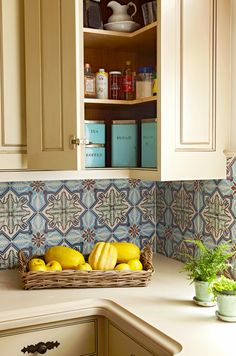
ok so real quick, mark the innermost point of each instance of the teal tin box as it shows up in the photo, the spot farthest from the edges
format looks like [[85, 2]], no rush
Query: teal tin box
[[149, 143], [94, 156], [124, 143], [95, 132]]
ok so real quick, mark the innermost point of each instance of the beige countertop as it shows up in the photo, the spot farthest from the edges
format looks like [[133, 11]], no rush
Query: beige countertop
[[166, 304]]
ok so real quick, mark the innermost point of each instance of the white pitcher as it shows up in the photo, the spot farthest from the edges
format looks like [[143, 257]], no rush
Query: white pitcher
[[120, 12]]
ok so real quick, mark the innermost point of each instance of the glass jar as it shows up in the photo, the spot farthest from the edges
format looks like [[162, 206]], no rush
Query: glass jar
[[144, 82], [115, 85], [89, 82]]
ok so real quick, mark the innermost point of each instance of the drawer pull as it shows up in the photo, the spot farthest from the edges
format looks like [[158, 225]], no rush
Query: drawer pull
[[41, 347]]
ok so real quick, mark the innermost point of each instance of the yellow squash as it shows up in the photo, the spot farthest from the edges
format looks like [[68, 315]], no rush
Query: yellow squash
[[66, 256], [103, 256], [126, 251]]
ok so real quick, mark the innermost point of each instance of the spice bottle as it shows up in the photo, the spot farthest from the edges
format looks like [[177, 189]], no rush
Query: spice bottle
[[102, 84], [115, 85], [127, 82], [89, 82]]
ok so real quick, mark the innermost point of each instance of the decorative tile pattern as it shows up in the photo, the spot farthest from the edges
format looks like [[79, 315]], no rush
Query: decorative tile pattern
[[183, 209], [63, 210], [78, 213], [204, 210], [111, 207], [218, 216], [15, 213], [148, 204]]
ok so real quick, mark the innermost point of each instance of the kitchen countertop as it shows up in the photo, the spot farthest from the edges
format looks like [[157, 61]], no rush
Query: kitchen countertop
[[166, 304]]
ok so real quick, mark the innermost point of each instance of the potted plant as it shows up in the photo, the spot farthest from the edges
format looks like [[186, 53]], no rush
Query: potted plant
[[203, 268], [224, 291]]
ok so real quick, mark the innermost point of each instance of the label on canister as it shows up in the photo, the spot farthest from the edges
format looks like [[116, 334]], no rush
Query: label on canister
[[149, 143], [95, 156], [102, 84], [124, 143], [95, 132]]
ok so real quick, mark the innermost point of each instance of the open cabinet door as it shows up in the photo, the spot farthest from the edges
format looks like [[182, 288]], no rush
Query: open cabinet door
[[195, 88], [53, 32]]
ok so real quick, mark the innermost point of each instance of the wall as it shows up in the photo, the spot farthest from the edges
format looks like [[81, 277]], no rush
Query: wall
[[35, 215], [204, 210]]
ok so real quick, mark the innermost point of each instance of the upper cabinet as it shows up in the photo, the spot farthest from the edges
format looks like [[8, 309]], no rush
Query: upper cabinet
[[188, 45], [231, 149], [195, 90], [12, 86]]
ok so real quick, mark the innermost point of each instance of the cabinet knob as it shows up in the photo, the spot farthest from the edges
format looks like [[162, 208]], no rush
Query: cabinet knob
[[40, 347]]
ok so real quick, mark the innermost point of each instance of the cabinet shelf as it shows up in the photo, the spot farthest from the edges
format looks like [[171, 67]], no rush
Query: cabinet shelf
[[105, 102], [144, 39]]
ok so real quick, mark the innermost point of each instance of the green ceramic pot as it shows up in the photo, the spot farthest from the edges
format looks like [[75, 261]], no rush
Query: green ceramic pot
[[226, 305], [201, 291]]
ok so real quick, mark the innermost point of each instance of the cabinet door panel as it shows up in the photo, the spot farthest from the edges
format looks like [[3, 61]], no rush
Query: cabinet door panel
[[121, 344], [52, 82], [195, 75], [12, 86], [196, 117], [78, 339]]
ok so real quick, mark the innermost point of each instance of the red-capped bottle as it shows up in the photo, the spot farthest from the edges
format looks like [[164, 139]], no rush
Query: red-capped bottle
[[128, 83]]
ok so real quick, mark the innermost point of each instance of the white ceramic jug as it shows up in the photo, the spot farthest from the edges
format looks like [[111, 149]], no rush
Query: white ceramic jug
[[120, 12]]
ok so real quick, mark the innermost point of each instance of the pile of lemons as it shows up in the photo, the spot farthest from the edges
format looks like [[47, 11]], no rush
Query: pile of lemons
[[120, 256]]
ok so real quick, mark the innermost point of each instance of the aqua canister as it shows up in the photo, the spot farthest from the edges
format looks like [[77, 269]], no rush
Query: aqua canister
[[94, 156], [149, 143], [95, 131], [124, 143], [102, 84]]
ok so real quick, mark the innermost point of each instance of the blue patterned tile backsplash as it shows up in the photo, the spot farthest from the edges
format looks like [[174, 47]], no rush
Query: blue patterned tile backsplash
[[36, 215], [204, 210]]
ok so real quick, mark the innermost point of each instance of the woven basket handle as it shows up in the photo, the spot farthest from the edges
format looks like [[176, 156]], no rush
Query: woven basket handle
[[147, 261], [23, 260]]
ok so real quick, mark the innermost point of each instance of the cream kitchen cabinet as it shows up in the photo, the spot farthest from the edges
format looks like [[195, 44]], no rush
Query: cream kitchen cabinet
[[190, 46], [78, 337], [85, 336], [12, 86], [121, 344], [231, 149]]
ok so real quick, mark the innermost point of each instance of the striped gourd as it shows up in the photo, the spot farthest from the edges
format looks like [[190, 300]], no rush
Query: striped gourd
[[103, 256]]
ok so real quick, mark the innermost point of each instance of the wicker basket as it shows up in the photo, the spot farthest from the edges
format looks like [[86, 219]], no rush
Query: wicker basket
[[86, 279]]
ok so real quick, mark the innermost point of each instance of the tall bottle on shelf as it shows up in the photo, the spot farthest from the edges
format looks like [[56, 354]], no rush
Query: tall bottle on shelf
[[128, 92], [89, 82], [102, 84]]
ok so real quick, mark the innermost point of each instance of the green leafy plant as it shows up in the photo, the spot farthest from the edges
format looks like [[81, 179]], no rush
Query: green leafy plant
[[208, 262], [223, 285]]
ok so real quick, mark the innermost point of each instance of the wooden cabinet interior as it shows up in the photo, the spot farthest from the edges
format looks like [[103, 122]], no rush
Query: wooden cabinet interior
[[110, 50]]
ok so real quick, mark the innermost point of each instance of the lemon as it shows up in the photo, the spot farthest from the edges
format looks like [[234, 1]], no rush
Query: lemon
[[84, 267], [135, 264], [126, 251], [37, 264], [122, 267], [66, 256], [53, 266]]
